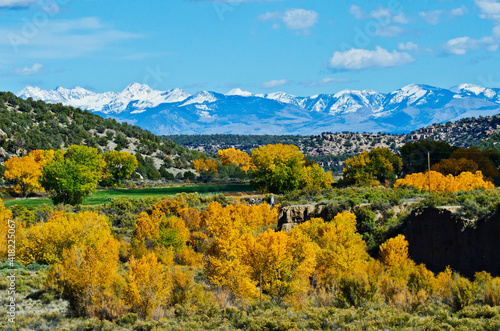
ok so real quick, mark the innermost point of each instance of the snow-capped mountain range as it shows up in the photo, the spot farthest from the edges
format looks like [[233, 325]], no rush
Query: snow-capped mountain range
[[240, 112]]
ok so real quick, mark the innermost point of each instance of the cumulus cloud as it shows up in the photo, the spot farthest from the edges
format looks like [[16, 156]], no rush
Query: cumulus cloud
[[409, 46], [275, 83], [294, 19], [490, 9], [297, 19], [358, 59], [462, 45], [17, 3]]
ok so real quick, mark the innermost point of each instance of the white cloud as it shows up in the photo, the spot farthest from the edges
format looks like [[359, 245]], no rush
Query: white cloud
[[357, 59], [297, 19], [496, 30], [490, 9], [325, 82], [462, 45], [270, 16], [432, 17], [409, 46], [29, 71], [275, 83], [294, 19], [459, 11], [389, 31], [17, 3], [357, 12], [381, 14], [400, 18]]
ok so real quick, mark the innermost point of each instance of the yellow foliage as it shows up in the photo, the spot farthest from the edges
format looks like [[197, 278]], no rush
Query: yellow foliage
[[235, 156], [340, 247], [25, 173], [192, 218], [45, 243], [86, 273], [5, 216], [225, 265], [284, 264], [187, 256], [394, 251], [148, 285], [205, 166], [42, 156], [466, 181]]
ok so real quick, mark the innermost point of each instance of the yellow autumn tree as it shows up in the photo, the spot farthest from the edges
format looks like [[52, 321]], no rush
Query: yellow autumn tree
[[24, 173], [42, 156], [45, 243], [394, 251], [283, 168], [466, 181], [340, 248], [236, 156], [85, 257], [282, 263], [225, 264], [205, 166], [148, 286]]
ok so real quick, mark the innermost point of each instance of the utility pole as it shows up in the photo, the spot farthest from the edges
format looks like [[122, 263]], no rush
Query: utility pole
[[429, 165]]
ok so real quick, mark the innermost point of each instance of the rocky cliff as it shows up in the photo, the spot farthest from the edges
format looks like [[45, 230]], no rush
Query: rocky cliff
[[438, 238]]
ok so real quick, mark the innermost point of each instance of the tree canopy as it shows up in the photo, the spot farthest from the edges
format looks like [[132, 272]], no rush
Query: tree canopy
[[283, 168], [379, 164], [72, 175]]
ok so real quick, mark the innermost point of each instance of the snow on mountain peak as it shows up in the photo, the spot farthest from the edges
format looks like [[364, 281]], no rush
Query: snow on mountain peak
[[411, 93], [474, 89], [239, 92], [281, 97], [200, 97]]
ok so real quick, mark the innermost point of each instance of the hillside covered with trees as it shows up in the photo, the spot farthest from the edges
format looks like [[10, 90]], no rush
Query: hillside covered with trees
[[29, 125]]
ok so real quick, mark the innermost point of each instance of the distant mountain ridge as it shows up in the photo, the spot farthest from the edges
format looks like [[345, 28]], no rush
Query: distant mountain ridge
[[240, 112]]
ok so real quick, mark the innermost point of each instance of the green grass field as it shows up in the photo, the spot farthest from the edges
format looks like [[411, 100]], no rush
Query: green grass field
[[102, 197]]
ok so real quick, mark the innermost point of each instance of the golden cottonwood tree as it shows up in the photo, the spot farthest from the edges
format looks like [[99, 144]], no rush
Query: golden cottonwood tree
[[283, 263], [394, 251], [235, 156], [45, 243], [466, 181], [340, 248], [225, 265], [283, 168], [25, 173], [205, 166], [85, 257], [148, 285]]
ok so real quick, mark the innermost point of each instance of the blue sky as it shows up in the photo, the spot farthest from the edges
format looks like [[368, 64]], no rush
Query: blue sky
[[299, 47]]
